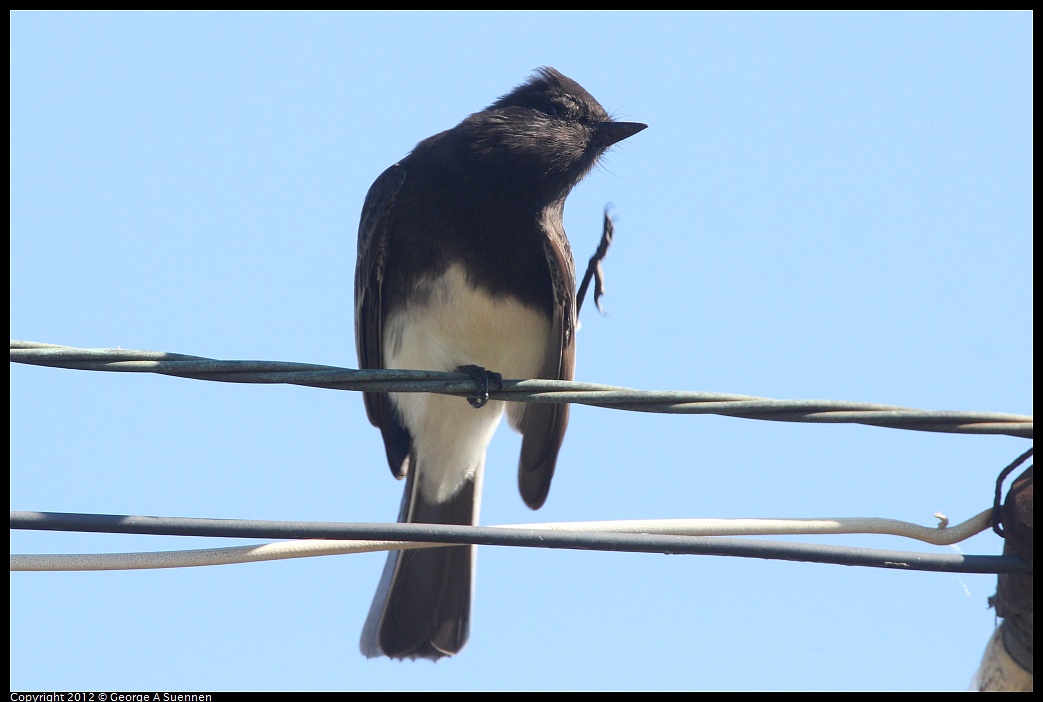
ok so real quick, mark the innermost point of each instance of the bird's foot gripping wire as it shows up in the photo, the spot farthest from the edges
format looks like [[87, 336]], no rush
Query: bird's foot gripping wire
[[482, 378]]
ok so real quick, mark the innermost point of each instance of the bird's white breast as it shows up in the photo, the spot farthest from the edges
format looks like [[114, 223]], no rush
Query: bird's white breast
[[450, 324]]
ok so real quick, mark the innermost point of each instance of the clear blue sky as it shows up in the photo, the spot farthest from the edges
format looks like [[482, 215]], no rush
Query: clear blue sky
[[830, 206]]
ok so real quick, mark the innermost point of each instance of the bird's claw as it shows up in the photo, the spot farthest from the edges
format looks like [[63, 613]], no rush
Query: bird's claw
[[482, 379]]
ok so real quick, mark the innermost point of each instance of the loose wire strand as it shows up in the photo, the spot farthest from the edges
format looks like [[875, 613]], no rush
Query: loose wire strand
[[672, 536]]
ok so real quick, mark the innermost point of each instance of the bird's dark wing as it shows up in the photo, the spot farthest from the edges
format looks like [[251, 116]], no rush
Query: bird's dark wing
[[374, 231], [543, 425]]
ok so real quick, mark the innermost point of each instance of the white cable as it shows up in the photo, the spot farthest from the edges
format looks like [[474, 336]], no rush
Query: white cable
[[940, 535]]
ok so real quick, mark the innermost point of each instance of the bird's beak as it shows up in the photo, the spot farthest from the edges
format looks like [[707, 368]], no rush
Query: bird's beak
[[613, 132]]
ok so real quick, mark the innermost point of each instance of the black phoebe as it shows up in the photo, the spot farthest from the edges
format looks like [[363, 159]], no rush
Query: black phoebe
[[463, 264]]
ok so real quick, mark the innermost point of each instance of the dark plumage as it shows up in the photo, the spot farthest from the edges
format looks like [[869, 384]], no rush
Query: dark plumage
[[463, 261]]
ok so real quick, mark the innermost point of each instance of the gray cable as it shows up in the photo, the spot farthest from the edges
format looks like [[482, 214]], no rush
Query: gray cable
[[526, 537], [668, 401]]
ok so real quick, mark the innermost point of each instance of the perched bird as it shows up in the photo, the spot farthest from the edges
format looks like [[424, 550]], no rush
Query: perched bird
[[463, 264]]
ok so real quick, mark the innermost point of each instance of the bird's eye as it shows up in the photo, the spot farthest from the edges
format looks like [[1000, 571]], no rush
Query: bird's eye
[[551, 109]]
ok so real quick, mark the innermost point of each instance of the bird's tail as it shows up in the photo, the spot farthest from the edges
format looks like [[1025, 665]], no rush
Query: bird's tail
[[422, 608]]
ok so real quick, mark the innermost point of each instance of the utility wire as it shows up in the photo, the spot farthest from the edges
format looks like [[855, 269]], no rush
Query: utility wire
[[531, 536], [943, 534], [670, 401], [663, 536]]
